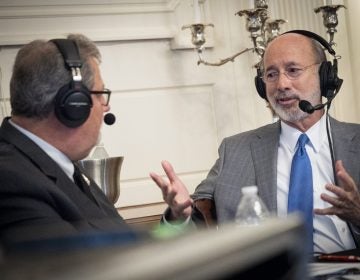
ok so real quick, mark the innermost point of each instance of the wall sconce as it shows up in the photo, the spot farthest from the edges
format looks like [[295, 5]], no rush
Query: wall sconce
[[262, 29]]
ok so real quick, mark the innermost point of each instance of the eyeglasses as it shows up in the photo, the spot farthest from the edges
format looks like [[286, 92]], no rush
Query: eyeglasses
[[291, 72], [105, 95]]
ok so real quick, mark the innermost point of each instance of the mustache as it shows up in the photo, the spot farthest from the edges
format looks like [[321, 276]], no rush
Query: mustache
[[286, 95]]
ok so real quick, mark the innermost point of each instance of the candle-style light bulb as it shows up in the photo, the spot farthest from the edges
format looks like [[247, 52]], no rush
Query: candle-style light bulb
[[197, 17], [251, 4]]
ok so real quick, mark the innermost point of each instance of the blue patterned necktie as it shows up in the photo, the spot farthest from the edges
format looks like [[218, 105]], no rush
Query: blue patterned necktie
[[301, 187]]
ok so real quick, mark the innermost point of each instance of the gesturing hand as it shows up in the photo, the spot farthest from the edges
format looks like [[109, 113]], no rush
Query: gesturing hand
[[174, 192], [346, 203]]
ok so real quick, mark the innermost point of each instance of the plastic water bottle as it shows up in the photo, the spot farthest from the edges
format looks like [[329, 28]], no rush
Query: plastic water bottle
[[251, 209]]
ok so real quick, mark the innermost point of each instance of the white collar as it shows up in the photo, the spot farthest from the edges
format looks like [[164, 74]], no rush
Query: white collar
[[317, 135]]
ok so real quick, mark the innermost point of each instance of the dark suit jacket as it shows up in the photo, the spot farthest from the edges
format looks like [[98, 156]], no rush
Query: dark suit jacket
[[250, 158], [38, 200]]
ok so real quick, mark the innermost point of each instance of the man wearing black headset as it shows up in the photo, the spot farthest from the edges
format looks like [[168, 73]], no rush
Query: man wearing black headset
[[294, 69], [58, 104]]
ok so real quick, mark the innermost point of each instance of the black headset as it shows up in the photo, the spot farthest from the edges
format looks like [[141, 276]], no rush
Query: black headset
[[330, 83], [72, 101]]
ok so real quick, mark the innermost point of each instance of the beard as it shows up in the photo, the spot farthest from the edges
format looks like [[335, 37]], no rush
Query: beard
[[291, 113]]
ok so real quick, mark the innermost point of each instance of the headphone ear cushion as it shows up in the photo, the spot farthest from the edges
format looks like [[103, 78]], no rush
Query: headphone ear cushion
[[260, 87], [73, 106], [324, 73], [329, 81]]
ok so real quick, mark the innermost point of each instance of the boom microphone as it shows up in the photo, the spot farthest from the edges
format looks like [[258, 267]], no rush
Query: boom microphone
[[109, 119], [306, 106]]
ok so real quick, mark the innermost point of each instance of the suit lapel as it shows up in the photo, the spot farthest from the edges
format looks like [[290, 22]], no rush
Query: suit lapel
[[346, 147], [264, 149]]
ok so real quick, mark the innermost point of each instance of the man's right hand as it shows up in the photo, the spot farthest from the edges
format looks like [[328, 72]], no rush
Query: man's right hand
[[174, 192]]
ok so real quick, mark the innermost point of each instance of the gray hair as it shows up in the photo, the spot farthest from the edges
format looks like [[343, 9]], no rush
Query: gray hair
[[318, 50], [39, 72]]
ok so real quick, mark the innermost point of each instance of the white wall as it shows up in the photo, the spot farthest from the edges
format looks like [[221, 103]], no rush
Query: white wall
[[352, 22], [167, 107]]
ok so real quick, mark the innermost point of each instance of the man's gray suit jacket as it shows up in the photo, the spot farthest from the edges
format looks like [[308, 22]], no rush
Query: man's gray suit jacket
[[250, 158]]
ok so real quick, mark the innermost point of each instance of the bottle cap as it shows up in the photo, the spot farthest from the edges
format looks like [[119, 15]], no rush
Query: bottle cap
[[249, 190]]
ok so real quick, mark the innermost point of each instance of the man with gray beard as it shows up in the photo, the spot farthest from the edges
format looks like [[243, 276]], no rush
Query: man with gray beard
[[293, 70]]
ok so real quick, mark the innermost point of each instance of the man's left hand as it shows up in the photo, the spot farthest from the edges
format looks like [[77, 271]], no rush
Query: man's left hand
[[346, 203]]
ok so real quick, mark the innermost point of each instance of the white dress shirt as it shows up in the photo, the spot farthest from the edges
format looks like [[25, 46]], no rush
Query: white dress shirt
[[331, 234], [60, 158]]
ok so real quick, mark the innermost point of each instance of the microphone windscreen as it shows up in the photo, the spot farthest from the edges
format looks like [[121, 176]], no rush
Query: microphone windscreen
[[109, 119], [306, 106]]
